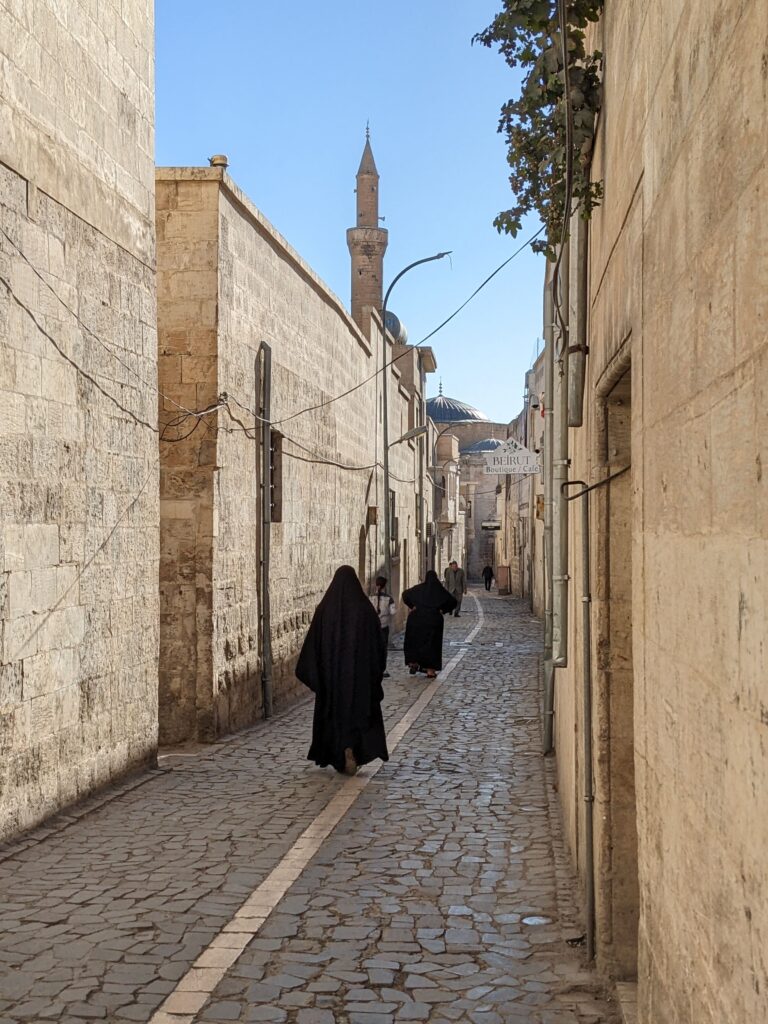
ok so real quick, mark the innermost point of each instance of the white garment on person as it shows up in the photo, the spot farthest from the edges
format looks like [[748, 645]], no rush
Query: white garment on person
[[385, 608]]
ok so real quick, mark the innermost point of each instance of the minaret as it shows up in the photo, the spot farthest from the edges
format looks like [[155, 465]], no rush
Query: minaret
[[367, 241]]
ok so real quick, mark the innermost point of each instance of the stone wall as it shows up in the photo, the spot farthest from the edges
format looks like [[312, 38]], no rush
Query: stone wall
[[481, 492], [228, 282], [677, 386], [519, 545], [78, 440], [187, 301]]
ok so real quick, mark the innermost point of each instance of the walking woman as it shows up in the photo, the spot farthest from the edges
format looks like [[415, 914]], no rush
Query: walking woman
[[423, 646], [342, 662]]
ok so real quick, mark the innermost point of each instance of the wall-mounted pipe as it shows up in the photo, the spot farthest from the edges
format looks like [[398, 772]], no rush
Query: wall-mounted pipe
[[589, 798], [577, 366], [560, 463], [263, 378], [549, 375], [586, 635]]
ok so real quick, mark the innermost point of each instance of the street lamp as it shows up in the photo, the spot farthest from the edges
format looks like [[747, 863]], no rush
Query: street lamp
[[385, 410], [410, 434]]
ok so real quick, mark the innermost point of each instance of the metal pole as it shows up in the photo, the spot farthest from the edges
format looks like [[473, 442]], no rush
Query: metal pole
[[549, 376], [385, 410], [578, 351], [587, 727], [264, 397], [560, 463], [586, 614]]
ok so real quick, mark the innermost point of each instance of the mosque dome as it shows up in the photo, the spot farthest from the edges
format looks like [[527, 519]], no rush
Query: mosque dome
[[448, 410], [488, 444]]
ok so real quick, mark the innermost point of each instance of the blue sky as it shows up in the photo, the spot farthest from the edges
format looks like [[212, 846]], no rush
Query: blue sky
[[285, 91]]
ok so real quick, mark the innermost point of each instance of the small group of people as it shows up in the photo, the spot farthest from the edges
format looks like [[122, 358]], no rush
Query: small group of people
[[344, 659]]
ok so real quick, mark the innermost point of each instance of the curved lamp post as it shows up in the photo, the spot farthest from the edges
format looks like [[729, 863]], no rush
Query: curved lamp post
[[385, 411]]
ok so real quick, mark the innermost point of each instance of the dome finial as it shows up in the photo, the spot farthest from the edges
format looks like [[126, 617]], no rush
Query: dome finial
[[441, 385], [367, 131]]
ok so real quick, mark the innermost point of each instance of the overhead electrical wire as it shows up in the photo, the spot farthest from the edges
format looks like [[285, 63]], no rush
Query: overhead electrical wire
[[367, 380], [223, 402]]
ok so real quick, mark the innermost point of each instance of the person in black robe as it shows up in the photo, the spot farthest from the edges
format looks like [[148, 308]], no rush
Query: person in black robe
[[342, 662], [423, 646]]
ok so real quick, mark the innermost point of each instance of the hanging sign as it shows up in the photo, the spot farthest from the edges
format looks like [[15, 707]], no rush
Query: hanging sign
[[511, 458]]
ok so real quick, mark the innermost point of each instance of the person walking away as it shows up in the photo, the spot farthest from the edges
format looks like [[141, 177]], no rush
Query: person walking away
[[423, 647], [456, 583], [342, 662], [487, 575], [384, 605]]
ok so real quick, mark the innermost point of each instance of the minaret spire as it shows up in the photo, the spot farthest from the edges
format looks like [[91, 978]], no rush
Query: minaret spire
[[367, 241]]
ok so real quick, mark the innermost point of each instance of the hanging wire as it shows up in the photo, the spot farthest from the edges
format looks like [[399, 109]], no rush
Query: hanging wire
[[223, 404], [432, 333]]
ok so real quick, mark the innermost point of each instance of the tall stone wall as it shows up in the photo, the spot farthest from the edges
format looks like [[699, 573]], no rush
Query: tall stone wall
[[228, 282], [187, 294], [481, 492], [78, 438], [676, 386]]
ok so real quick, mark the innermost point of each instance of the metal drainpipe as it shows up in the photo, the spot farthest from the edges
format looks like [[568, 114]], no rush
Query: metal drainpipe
[[586, 612], [578, 362], [549, 374], [560, 463], [264, 474]]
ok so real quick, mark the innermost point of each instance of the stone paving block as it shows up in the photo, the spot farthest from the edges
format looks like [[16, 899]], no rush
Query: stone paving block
[[411, 909]]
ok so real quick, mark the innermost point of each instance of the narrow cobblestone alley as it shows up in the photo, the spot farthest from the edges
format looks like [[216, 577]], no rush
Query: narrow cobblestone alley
[[441, 895]]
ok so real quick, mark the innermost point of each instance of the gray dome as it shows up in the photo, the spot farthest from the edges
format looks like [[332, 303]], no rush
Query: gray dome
[[448, 410], [488, 444]]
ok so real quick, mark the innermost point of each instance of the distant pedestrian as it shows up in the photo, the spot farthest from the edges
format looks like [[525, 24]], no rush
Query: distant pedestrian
[[342, 662], [487, 575], [384, 604], [456, 583], [423, 646]]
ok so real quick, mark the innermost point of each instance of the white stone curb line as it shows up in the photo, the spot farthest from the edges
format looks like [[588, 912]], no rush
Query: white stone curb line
[[197, 985]]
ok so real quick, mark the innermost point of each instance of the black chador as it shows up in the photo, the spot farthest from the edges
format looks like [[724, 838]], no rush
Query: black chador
[[424, 628], [342, 662]]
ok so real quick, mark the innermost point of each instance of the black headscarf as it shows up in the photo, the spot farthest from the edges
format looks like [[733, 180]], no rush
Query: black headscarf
[[429, 594], [342, 662]]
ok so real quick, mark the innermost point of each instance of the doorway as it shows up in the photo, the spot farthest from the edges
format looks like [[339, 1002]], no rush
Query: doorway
[[617, 893]]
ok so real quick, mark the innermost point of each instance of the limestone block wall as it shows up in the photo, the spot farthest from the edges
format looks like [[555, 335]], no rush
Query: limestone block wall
[[260, 290], [676, 381], [187, 290], [481, 492], [78, 438], [519, 543]]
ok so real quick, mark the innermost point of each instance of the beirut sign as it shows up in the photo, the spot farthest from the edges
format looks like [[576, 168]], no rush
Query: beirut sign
[[511, 457]]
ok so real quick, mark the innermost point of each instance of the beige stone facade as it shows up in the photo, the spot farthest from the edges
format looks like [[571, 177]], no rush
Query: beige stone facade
[[449, 529], [477, 500], [78, 437], [519, 547], [676, 389], [227, 281]]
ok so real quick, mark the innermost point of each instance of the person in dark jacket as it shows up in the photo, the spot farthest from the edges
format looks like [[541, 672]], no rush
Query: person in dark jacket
[[487, 575], [423, 645], [342, 662]]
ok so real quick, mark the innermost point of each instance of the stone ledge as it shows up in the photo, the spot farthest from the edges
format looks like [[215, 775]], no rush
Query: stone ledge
[[626, 996]]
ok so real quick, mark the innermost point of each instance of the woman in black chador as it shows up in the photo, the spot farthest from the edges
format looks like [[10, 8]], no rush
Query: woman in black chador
[[342, 662], [424, 628]]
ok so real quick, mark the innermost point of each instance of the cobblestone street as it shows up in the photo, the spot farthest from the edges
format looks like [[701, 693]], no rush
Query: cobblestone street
[[440, 895]]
